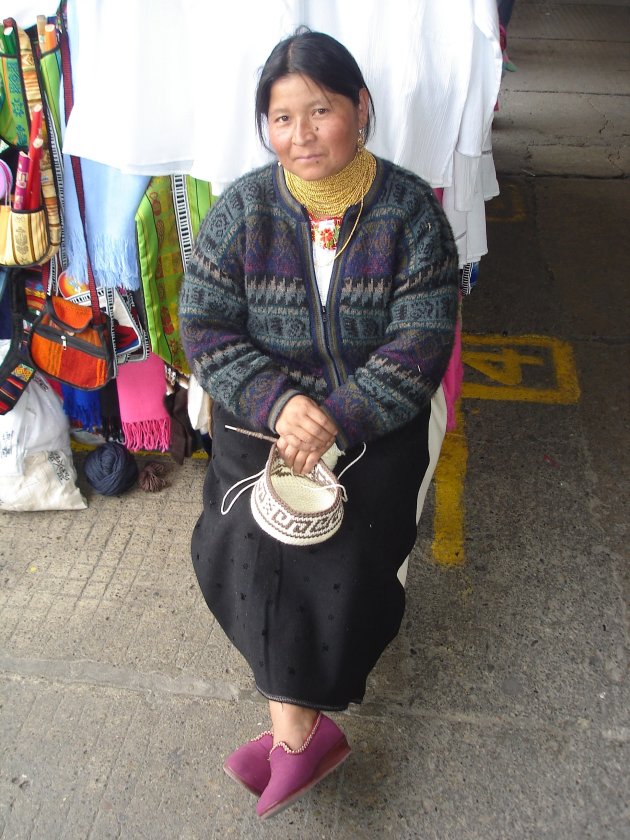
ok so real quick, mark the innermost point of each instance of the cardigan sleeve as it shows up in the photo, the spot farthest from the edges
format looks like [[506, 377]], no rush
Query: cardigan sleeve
[[399, 378], [213, 319]]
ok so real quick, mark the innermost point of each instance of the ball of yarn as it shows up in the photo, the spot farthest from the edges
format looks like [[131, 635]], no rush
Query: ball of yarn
[[111, 469], [150, 478]]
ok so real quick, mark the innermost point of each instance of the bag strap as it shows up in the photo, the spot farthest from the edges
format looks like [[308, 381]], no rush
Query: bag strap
[[16, 371], [66, 67]]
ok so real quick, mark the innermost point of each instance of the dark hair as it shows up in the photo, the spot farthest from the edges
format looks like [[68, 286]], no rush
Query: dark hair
[[321, 58]]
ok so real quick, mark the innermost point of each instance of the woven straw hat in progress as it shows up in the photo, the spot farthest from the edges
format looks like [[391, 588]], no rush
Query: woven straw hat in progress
[[297, 509]]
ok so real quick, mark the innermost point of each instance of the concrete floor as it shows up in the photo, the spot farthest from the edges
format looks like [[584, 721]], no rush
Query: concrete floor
[[501, 710]]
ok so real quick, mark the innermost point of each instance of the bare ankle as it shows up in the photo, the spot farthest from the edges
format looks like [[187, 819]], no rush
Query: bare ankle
[[291, 724]]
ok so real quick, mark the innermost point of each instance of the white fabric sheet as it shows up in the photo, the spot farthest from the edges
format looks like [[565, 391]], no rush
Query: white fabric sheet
[[167, 86]]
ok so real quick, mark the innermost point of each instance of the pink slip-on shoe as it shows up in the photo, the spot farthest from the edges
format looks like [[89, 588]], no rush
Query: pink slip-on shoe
[[293, 772], [249, 764]]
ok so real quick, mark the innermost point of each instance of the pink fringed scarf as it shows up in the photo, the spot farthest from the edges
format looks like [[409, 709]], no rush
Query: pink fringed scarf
[[141, 390]]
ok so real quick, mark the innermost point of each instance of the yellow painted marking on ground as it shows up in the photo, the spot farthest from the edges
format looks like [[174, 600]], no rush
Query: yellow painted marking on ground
[[502, 361], [508, 206], [506, 368], [448, 520]]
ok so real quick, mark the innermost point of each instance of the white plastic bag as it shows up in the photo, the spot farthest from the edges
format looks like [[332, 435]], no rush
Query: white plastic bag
[[47, 483], [36, 467]]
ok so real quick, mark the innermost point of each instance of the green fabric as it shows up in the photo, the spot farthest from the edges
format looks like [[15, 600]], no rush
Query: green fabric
[[50, 66], [161, 261], [14, 122], [18, 75]]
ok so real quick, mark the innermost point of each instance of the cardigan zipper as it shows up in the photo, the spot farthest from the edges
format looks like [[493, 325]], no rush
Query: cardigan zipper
[[326, 333], [326, 323]]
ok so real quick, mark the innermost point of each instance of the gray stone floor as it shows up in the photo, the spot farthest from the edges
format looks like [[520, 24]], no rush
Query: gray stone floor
[[501, 710]]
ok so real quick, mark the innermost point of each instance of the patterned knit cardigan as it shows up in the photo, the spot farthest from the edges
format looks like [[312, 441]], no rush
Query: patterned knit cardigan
[[255, 331]]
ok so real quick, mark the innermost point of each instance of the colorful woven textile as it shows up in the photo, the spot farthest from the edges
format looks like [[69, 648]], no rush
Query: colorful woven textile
[[22, 92], [167, 222]]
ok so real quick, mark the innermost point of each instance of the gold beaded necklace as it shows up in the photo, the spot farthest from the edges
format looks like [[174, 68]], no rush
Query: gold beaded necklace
[[331, 196]]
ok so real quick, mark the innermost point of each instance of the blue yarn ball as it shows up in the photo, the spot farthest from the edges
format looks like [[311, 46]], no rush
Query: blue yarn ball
[[111, 469]]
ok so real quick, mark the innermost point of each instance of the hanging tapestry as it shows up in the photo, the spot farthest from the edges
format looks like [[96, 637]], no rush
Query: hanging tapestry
[[167, 222]]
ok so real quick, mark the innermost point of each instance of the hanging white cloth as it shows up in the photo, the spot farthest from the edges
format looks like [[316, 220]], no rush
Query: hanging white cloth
[[469, 225], [152, 94], [167, 86], [133, 101], [416, 62]]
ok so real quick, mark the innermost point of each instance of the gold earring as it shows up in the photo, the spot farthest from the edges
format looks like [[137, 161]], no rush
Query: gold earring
[[361, 138]]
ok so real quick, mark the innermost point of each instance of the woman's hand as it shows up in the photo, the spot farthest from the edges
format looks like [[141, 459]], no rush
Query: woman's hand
[[306, 432]]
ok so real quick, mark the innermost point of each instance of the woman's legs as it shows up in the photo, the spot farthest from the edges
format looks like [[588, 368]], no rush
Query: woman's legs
[[291, 724]]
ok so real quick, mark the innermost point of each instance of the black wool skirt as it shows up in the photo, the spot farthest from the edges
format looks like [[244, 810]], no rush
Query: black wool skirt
[[311, 621]]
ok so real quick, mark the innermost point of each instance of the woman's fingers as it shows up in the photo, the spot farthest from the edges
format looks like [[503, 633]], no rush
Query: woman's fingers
[[306, 432], [316, 431], [318, 422], [311, 446], [309, 463], [302, 419], [299, 459]]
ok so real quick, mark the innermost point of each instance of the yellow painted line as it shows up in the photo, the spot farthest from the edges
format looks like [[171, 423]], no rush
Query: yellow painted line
[[503, 361], [448, 520]]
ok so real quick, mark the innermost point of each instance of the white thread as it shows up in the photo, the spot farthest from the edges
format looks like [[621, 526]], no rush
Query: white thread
[[352, 463], [251, 478]]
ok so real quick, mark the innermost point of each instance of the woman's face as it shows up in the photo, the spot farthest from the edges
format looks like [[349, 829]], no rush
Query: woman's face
[[313, 131]]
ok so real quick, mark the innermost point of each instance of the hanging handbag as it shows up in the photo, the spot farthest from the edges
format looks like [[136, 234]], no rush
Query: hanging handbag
[[70, 342], [28, 81]]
